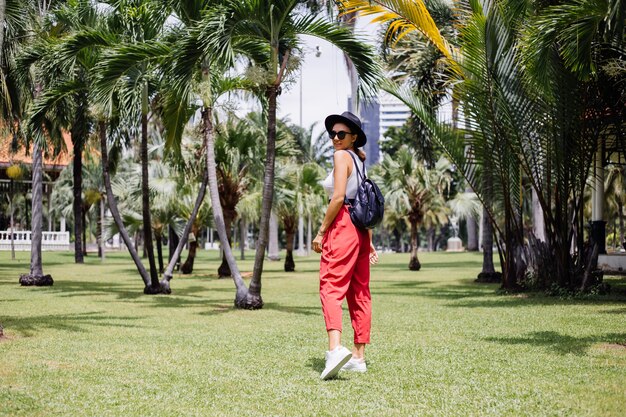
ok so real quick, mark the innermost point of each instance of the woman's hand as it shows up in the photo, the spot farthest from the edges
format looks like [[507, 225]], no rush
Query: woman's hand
[[317, 243], [373, 255]]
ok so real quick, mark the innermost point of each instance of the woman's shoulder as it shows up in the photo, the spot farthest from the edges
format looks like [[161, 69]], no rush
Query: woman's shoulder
[[342, 154]]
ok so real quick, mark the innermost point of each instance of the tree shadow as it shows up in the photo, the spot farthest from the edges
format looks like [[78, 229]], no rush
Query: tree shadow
[[534, 299], [219, 307], [306, 311], [82, 322], [451, 292], [561, 344], [615, 311], [454, 264], [73, 288]]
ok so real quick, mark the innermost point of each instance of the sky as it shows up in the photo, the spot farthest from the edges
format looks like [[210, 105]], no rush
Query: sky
[[325, 83]]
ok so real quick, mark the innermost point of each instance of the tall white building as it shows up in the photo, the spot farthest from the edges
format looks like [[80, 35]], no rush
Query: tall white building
[[392, 113], [384, 112]]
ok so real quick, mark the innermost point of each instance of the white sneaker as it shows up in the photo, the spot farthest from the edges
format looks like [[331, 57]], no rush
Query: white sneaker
[[355, 365], [335, 359]]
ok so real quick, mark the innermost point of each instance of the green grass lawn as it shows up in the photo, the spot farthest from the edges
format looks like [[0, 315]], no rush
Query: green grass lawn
[[94, 345]]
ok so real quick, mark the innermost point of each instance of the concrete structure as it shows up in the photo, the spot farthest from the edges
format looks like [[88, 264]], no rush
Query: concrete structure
[[382, 113], [12, 154], [22, 240], [392, 113]]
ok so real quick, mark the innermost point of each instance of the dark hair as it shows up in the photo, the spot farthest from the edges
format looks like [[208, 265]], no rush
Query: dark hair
[[359, 152]]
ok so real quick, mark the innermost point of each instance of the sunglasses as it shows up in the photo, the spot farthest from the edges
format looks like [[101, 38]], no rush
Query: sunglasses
[[341, 135]]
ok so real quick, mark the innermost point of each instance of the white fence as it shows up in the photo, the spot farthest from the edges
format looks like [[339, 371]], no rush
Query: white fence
[[22, 242]]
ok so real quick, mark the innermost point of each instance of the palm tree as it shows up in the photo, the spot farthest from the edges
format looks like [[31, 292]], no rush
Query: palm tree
[[74, 54], [238, 158], [20, 87], [521, 78], [184, 206], [266, 34], [297, 186], [67, 65], [413, 190], [276, 25], [193, 75], [141, 23]]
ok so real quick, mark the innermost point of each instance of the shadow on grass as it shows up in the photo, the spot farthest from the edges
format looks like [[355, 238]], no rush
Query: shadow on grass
[[534, 299], [561, 344], [421, 289], [306, 311], [615, 311], [71, 288], [318, 365], [85, 322]]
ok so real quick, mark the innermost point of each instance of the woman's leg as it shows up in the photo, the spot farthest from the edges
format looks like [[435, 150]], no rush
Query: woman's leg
[[359, 298], [340, 252], [358, 351], [334, 339]]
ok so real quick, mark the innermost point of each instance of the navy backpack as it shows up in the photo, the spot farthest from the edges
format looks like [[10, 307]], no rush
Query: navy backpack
[[368, 206]]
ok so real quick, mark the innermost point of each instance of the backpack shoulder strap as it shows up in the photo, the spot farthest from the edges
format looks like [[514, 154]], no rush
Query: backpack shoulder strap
[[356, 165]]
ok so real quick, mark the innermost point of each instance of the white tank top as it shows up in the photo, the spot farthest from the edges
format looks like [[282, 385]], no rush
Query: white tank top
[[353, 180]]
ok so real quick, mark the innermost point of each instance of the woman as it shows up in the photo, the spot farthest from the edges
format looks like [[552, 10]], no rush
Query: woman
[[346, 250]]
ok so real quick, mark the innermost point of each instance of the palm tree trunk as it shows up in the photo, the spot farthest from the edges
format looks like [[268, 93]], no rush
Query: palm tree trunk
[[268, 195], [472, 234], [309, 238], [242, 299], [36, 266], [3, 8], [488, 273], [273, 253], [36, 276], [12, 218], [472, 229], [290, 231], [145, 191], [115, 212], [431, 239], [187, 267], [224, 270], [620, 213], [77, 204], [84, 219], [243, 228], [488, 267], [539, 227], [101, 224], [159, 238], [414, 264]]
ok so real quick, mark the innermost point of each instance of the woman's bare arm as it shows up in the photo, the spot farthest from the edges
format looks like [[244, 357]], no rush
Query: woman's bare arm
[[343, 169]]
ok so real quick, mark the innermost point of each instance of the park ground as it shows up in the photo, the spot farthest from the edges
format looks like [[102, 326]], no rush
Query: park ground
[[94, 345]]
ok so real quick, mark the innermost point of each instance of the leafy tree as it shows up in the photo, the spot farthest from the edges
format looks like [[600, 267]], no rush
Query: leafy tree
[[297, 187], [238, 154], [23, 88], [276, 25], [414, 192], [122, 71], [533, 99]]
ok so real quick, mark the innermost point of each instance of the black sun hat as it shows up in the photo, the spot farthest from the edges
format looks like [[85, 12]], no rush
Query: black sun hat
[[350, 120]]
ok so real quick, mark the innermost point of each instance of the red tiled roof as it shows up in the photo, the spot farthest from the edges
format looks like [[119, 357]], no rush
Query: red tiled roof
[[8, 158]]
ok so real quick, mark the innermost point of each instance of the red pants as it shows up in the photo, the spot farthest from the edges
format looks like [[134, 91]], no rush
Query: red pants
[[345, 273]]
